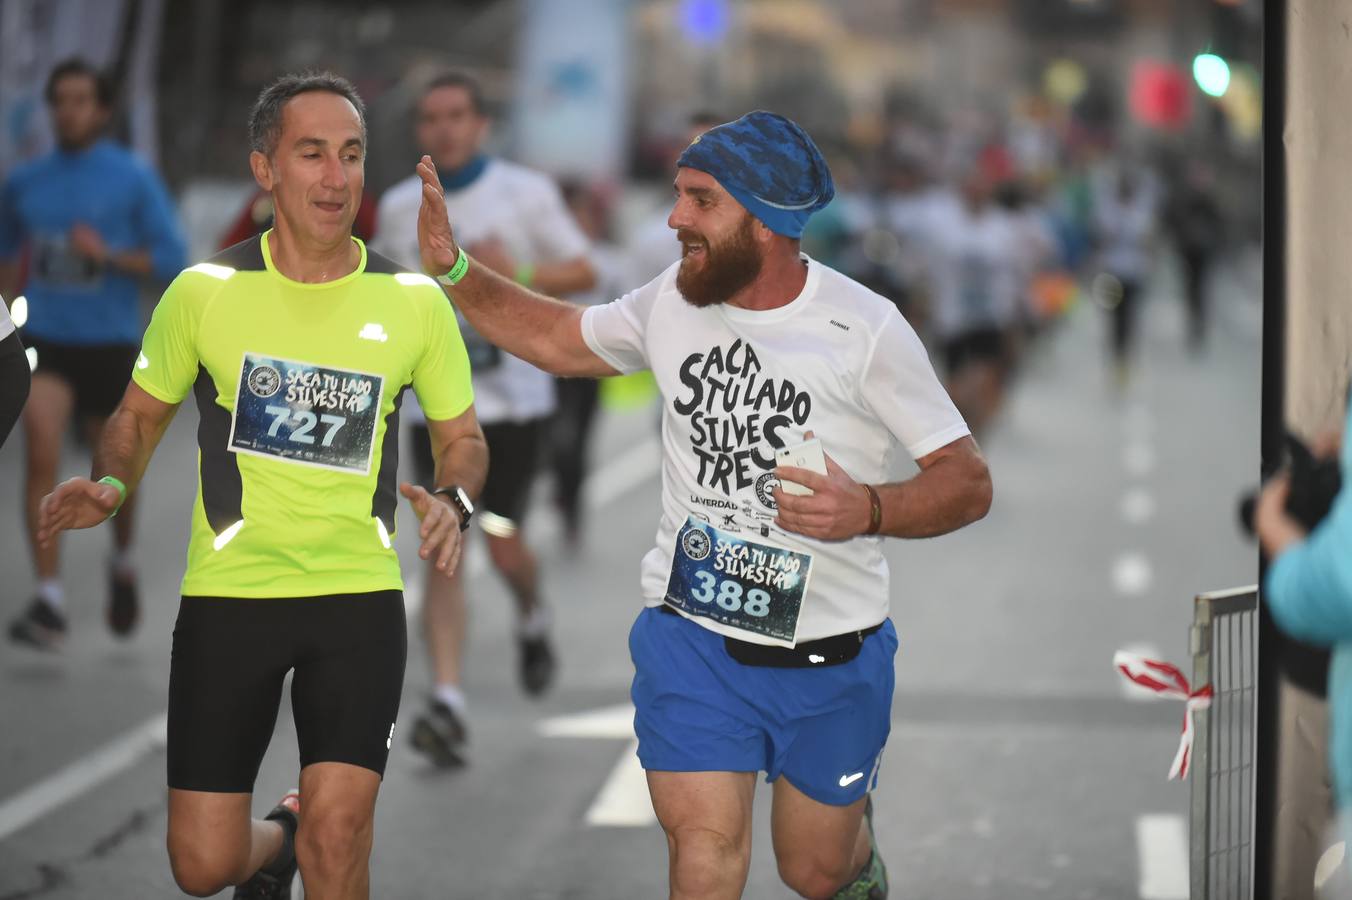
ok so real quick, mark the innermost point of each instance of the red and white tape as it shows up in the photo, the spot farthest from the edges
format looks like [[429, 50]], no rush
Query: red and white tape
[[1167, 681]]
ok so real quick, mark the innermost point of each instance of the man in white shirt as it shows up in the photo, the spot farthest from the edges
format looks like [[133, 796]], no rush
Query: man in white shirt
[[1125, 211], [514, 220], [764, 644], [975, 261]]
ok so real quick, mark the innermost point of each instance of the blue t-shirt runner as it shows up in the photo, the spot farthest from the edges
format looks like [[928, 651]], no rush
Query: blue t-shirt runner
[[72, 299]]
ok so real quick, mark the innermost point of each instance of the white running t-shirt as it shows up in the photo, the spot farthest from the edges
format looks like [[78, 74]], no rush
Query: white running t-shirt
[[525, 211], [839, 361]]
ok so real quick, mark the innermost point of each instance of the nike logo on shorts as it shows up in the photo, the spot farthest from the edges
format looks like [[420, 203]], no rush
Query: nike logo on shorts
[[847, 780]]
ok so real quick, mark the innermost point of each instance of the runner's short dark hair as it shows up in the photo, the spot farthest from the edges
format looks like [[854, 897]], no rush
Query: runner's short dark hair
[[463, 80], [265, 120], [77, 66]]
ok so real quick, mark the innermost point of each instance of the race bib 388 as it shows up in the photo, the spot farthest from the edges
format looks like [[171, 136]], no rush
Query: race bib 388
[[736, 582], [306, 414]]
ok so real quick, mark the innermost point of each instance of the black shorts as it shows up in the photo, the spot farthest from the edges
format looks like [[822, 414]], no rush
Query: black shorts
[[513, 458], [230, 656], [974, 346], [98, 374]]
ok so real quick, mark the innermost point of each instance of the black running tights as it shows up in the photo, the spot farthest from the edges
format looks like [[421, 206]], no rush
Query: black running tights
[[14, 381]]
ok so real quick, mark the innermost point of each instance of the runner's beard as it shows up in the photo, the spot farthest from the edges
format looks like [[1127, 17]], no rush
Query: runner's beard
[[727, 267]]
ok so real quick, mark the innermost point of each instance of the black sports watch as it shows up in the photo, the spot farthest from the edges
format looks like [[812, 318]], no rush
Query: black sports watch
[[460, 500]]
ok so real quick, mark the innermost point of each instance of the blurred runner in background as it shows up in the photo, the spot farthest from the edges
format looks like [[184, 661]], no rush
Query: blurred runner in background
[[1125, 210], [1194, 220], [516, 222], [570, 429], [95, 222], [975, 259]]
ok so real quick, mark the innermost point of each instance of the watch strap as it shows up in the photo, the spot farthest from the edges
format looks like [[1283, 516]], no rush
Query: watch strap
[[453, 491]]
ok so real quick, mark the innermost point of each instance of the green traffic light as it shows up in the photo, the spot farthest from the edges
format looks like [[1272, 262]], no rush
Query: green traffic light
[[1211, 73]]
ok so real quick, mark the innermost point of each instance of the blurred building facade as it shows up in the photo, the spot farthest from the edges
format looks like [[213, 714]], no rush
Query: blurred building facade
[[842, 68]]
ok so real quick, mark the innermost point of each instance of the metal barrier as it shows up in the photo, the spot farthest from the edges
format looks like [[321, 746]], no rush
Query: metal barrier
[[1224, 655]]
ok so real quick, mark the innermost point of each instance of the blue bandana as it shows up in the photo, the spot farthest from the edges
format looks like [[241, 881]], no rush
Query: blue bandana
[[770, 165]]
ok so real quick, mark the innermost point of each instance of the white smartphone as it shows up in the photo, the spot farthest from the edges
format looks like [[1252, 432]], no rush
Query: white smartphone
[[807, 455]]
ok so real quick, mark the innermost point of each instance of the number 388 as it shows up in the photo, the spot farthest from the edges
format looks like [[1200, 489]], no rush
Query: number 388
[[729, 595]]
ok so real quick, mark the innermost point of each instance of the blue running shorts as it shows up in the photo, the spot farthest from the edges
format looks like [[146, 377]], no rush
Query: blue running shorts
[[699, 710]]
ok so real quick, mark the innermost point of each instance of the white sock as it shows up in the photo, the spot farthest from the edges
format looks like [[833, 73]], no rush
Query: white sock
[[452, 696], [122, 562], [536, 625], [49, 589]]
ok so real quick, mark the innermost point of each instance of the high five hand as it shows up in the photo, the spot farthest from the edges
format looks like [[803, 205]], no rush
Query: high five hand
[[440, 530], [436, 243]]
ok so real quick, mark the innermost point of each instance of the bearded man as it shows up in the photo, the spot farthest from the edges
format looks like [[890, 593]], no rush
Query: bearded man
[[764, 643]]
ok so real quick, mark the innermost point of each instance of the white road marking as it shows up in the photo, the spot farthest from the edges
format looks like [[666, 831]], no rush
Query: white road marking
[[1328, 864], [607, 722], [1130, 689], [623, 800], [86, 772], [1138, 506], [1132, 574], [1162, 848]]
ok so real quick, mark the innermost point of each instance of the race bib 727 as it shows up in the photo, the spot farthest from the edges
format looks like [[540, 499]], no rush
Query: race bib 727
[[307, 414]]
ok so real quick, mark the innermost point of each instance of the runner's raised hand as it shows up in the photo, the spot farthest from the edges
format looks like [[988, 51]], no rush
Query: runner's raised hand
[[436, 242]]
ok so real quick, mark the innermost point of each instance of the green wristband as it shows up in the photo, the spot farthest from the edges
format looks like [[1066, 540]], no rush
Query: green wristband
[[121, 490], [457, 271], [525, 274]]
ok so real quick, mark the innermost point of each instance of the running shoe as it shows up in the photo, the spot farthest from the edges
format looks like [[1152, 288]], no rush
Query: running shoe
[[536, 658], [273, 881], [124, 603], [440, 735], [872, 881], [41, 625]]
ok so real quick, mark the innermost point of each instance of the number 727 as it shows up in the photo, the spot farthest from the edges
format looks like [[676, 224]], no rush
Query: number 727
[[306, 421]]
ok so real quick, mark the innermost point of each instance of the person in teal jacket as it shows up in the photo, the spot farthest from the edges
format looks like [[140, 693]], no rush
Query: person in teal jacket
[[1308, 589]]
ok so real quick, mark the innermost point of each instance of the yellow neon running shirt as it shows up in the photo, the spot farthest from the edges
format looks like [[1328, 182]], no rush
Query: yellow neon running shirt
[[298, 388]]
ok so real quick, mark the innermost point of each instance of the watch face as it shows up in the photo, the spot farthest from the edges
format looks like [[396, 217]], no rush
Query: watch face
[[465, 501]]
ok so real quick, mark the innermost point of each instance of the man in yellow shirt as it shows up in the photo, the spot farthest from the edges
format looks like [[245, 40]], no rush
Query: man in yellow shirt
[[298, 346]]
